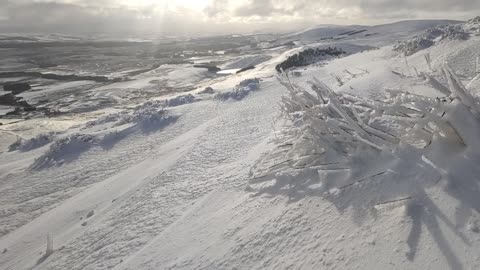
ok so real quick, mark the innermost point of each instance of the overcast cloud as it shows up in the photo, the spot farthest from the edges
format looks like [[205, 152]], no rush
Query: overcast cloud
[[215, 16]]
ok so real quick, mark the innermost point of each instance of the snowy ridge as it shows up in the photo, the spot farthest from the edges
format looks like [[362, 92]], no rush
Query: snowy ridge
[[247, 61], [323, 31], [432, 36], [378, 35]]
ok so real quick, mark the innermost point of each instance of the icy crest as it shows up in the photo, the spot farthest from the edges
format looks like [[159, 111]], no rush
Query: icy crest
[[360, 152]]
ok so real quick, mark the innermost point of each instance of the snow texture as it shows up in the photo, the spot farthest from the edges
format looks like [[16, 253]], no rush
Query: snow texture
[[181, 100], [33, 143], [240, 91], [247, 61], [64, 150], [148, 114], [438, 34]]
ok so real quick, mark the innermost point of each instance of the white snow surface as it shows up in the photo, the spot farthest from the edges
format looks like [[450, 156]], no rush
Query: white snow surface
[[246, 61], [169, 183]]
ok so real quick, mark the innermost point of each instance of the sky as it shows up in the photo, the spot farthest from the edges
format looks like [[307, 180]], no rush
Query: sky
[[173, 17]]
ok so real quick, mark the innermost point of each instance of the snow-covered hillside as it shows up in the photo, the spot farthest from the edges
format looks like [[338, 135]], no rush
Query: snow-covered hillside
[[378, 35], [361, 160]]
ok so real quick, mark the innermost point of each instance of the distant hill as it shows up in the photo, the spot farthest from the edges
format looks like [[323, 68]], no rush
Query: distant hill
[[342, 32]]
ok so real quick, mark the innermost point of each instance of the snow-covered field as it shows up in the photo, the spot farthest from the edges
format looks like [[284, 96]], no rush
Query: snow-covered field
[[373, 166]]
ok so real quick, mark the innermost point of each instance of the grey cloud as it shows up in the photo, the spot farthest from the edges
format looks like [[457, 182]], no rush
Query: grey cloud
[[258, 8], [216, 7], [386, 9], [86, 19], [419, 5], [55, 17], [90, 16]]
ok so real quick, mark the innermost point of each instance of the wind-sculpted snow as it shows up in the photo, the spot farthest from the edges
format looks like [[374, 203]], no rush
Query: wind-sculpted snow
[[147, 114], [181, 100], [437, 34], [64, 150], [33, 143], [430, 38], [240, 91], [109, 118], [362, 154], [147, 117]]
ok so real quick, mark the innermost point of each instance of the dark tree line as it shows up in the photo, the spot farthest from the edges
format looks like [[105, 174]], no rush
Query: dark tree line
[[307, 57]]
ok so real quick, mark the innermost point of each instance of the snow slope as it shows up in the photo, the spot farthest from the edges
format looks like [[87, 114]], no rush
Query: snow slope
[[210, 149], [287, 225], [323, 31], [153, 186], [377, 35]]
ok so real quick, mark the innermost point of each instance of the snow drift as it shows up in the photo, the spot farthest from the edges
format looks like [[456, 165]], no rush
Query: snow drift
[[150, 112], [181, 100], [242, 90], [64, 150], [25, 145], [105, 132]]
